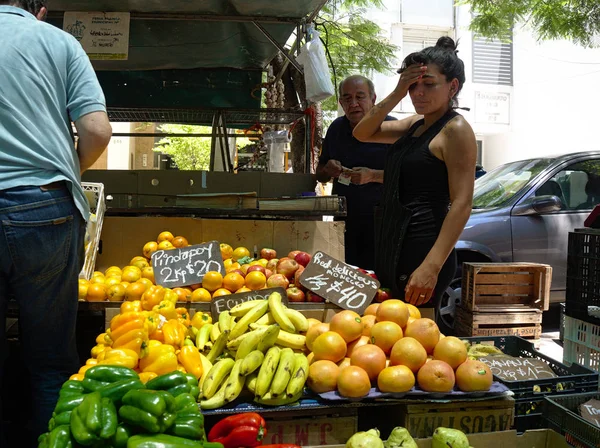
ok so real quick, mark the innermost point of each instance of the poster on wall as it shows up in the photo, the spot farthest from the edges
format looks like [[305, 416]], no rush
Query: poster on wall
[[103, 35]]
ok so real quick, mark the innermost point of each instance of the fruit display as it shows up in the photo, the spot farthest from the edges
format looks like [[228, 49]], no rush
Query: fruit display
[[393, 349], [401, 438]]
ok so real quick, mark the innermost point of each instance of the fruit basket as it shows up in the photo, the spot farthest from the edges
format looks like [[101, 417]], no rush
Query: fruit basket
[[95, 195], [562, 415], [581, 343]]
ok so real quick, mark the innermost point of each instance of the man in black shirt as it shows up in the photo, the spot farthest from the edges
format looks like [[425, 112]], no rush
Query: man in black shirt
[[356, 167]]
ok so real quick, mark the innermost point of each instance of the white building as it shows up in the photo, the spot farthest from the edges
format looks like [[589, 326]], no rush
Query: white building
[[527, 98]]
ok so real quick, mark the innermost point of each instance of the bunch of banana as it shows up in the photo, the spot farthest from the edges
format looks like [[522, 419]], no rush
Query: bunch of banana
[[477, 351]]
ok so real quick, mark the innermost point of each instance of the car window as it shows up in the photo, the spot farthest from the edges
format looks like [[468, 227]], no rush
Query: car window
[[577, 186]]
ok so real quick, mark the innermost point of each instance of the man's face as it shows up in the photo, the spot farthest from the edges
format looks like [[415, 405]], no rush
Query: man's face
[[356, 100]]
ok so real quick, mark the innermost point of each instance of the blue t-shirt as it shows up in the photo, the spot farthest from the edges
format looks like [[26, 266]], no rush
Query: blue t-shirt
[[339, 144], [46, 81]]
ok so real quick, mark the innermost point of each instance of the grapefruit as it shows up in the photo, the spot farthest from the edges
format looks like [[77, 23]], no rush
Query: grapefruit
[[329, 346], [323, 376], [314, 331], [393, 310], [368, 321], [371, 310], [425, 331], [370, 358], [344, 363], [436, 376], [408, 352], [413, 311], [396, 379], [347, 324], [474, 376], [385, 335], [363, 340], [353, 382], [451, 350]]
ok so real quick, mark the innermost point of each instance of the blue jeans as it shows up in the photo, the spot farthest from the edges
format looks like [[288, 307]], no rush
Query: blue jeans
[[41, 255]]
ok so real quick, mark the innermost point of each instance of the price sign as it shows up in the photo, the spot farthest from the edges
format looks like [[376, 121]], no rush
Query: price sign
[[225, 303], [339, 283], [590, 411], [186, 265], [509, 368]]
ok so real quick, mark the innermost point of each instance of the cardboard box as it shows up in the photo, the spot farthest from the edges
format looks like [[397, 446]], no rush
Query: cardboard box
[[538, 438], [123, 237]]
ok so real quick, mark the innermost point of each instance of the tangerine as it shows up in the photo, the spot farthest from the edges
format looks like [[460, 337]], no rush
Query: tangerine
[[112, 280], [134, 291], [165, 245], [149, 248], [148, 273], [165, 236], [233, 281], [393, 310], [113, 270], [347, 324], [200, 295], [385, 334], [353, 382], [180, 241], [322, 376], [146, 282], [226, 251], [370, 358], [115, 293], [212, 281], [329, 346], [255, 280]]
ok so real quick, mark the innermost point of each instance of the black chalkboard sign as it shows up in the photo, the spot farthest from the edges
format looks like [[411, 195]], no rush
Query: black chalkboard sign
[[509, 368], [590, 411], [339, 283], [186, 265], [224, 303]]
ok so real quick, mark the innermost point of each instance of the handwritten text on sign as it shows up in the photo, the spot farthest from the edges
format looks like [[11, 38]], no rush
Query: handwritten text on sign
[[509, 368], [186, 265], [590, 411], [339, 283], [225, 303]]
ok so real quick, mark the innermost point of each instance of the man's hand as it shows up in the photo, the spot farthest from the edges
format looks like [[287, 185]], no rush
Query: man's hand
[[333, 168], [361, 175]]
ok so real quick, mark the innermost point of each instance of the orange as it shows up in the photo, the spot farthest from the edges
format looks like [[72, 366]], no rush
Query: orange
[[227, 262], [148, 273], [371, 310], [396, 379], [116, 293], [221, 292], [113, 270], [226, 251], [353, 382], [183, 294], [385, 335], [243, 289], [330, 346], [83, 289], [149, 248], [240, 252], [255, 280], [425, 331], [100, 273], [146, 282], [134, 259], [96, 292], [474, 376], [393, 310], [131, 274], [135, 291], [261, 262], [244, 268], [164, 236], [201, 295], [315, 331], [368, 321], [233, 281], [370, 358], [436, 376], [212, 281], [347, 324], [165, 245], [180, 241], [141, 264], [322, 376], [451, 350], [98, 279], [112, 280], [408, 352]]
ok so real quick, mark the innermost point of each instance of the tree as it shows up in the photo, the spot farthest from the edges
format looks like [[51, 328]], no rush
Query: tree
[[189, 153], [576, 20]]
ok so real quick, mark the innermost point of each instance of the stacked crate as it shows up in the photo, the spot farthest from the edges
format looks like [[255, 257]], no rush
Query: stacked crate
[[503, 299]]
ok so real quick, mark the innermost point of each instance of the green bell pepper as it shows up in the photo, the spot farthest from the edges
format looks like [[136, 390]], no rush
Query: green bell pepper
[[71, 388], [121, 436], [92, 385], [60, 437], [68, 403], [179, 389], [117, 390], [64, 418], [185, 401], [167, 381], [110, 374], [167, 441], [189, 421], [151, 410], [93, 420]]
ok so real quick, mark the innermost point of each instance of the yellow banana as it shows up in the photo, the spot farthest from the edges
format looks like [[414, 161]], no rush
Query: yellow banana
[[242, 308], [268, 338], [217, 400], [278, 311], [235, 383], [251, 382], [249, 344], [298, 320], [299, 375], [203, 336], [215, 377], [250, 317], [251, 362], [224, 321], [283, 372], [206, 366], [295, 341], [269, 400], [267, 319], [218, 346], [256, 326], [215, 332], [267, 371]]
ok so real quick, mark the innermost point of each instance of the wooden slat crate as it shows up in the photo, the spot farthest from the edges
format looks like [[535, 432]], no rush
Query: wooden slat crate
[[506, 287], [525, 323]]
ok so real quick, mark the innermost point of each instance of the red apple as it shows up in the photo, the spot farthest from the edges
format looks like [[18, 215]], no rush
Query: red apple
[[295, 295], [364, 271], [268, 273], [383, 294], [287, 267], [373, 275], [276, 280], [293, 254], [272, 264], [297, 275], [312, 297], [239, 271], [256, 267], [302, 258], [268, 254]]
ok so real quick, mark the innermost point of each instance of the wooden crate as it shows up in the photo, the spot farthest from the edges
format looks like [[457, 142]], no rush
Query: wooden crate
[[525, 323], [506, 287]]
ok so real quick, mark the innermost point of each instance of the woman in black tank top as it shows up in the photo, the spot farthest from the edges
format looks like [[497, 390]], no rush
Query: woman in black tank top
[[428, 176]]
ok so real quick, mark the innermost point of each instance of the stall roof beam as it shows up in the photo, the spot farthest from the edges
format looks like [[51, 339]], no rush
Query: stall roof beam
[[280, 47], [196, 17]]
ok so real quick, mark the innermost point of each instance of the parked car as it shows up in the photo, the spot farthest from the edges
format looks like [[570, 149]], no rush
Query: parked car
[[523, 212]]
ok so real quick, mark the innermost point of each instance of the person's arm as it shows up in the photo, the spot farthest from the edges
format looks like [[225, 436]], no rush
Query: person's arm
[[374, 128], [94, 133], [460, 155], [361, 175]]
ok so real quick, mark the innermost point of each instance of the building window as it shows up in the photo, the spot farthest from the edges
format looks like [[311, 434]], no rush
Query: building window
[[492, 61]]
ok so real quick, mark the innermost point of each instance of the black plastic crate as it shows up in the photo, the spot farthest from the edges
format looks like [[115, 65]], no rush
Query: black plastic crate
[[583, 274], [562, 415]]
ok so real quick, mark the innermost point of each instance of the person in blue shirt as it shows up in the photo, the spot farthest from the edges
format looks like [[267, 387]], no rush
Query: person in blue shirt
[[46, 83], [357, 169]]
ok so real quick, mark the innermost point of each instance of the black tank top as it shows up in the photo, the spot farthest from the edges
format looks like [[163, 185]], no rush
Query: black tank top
[[418, 179]]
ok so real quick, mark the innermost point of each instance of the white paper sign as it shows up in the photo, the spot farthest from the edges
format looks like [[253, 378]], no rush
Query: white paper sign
[[103, 35], [492, 107]]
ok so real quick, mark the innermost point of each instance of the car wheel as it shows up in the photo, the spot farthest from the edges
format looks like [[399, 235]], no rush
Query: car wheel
[[446, 308]]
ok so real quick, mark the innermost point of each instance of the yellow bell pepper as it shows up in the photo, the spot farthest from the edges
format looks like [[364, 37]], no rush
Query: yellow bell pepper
[[166, 309], [152, 297], [120, 357], [84, 368], [138, 345], [189, 357], [91, 362], [133, 306], [154, 343], [147, 376], [96, 350], [157, 335], [181, 368], [152, 321], [175, 333], [107, 339], [125, 328], [100, 338], [130, 336], [183, 316], [171, 296], [200, 319], [160, 360], [77, 377]]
